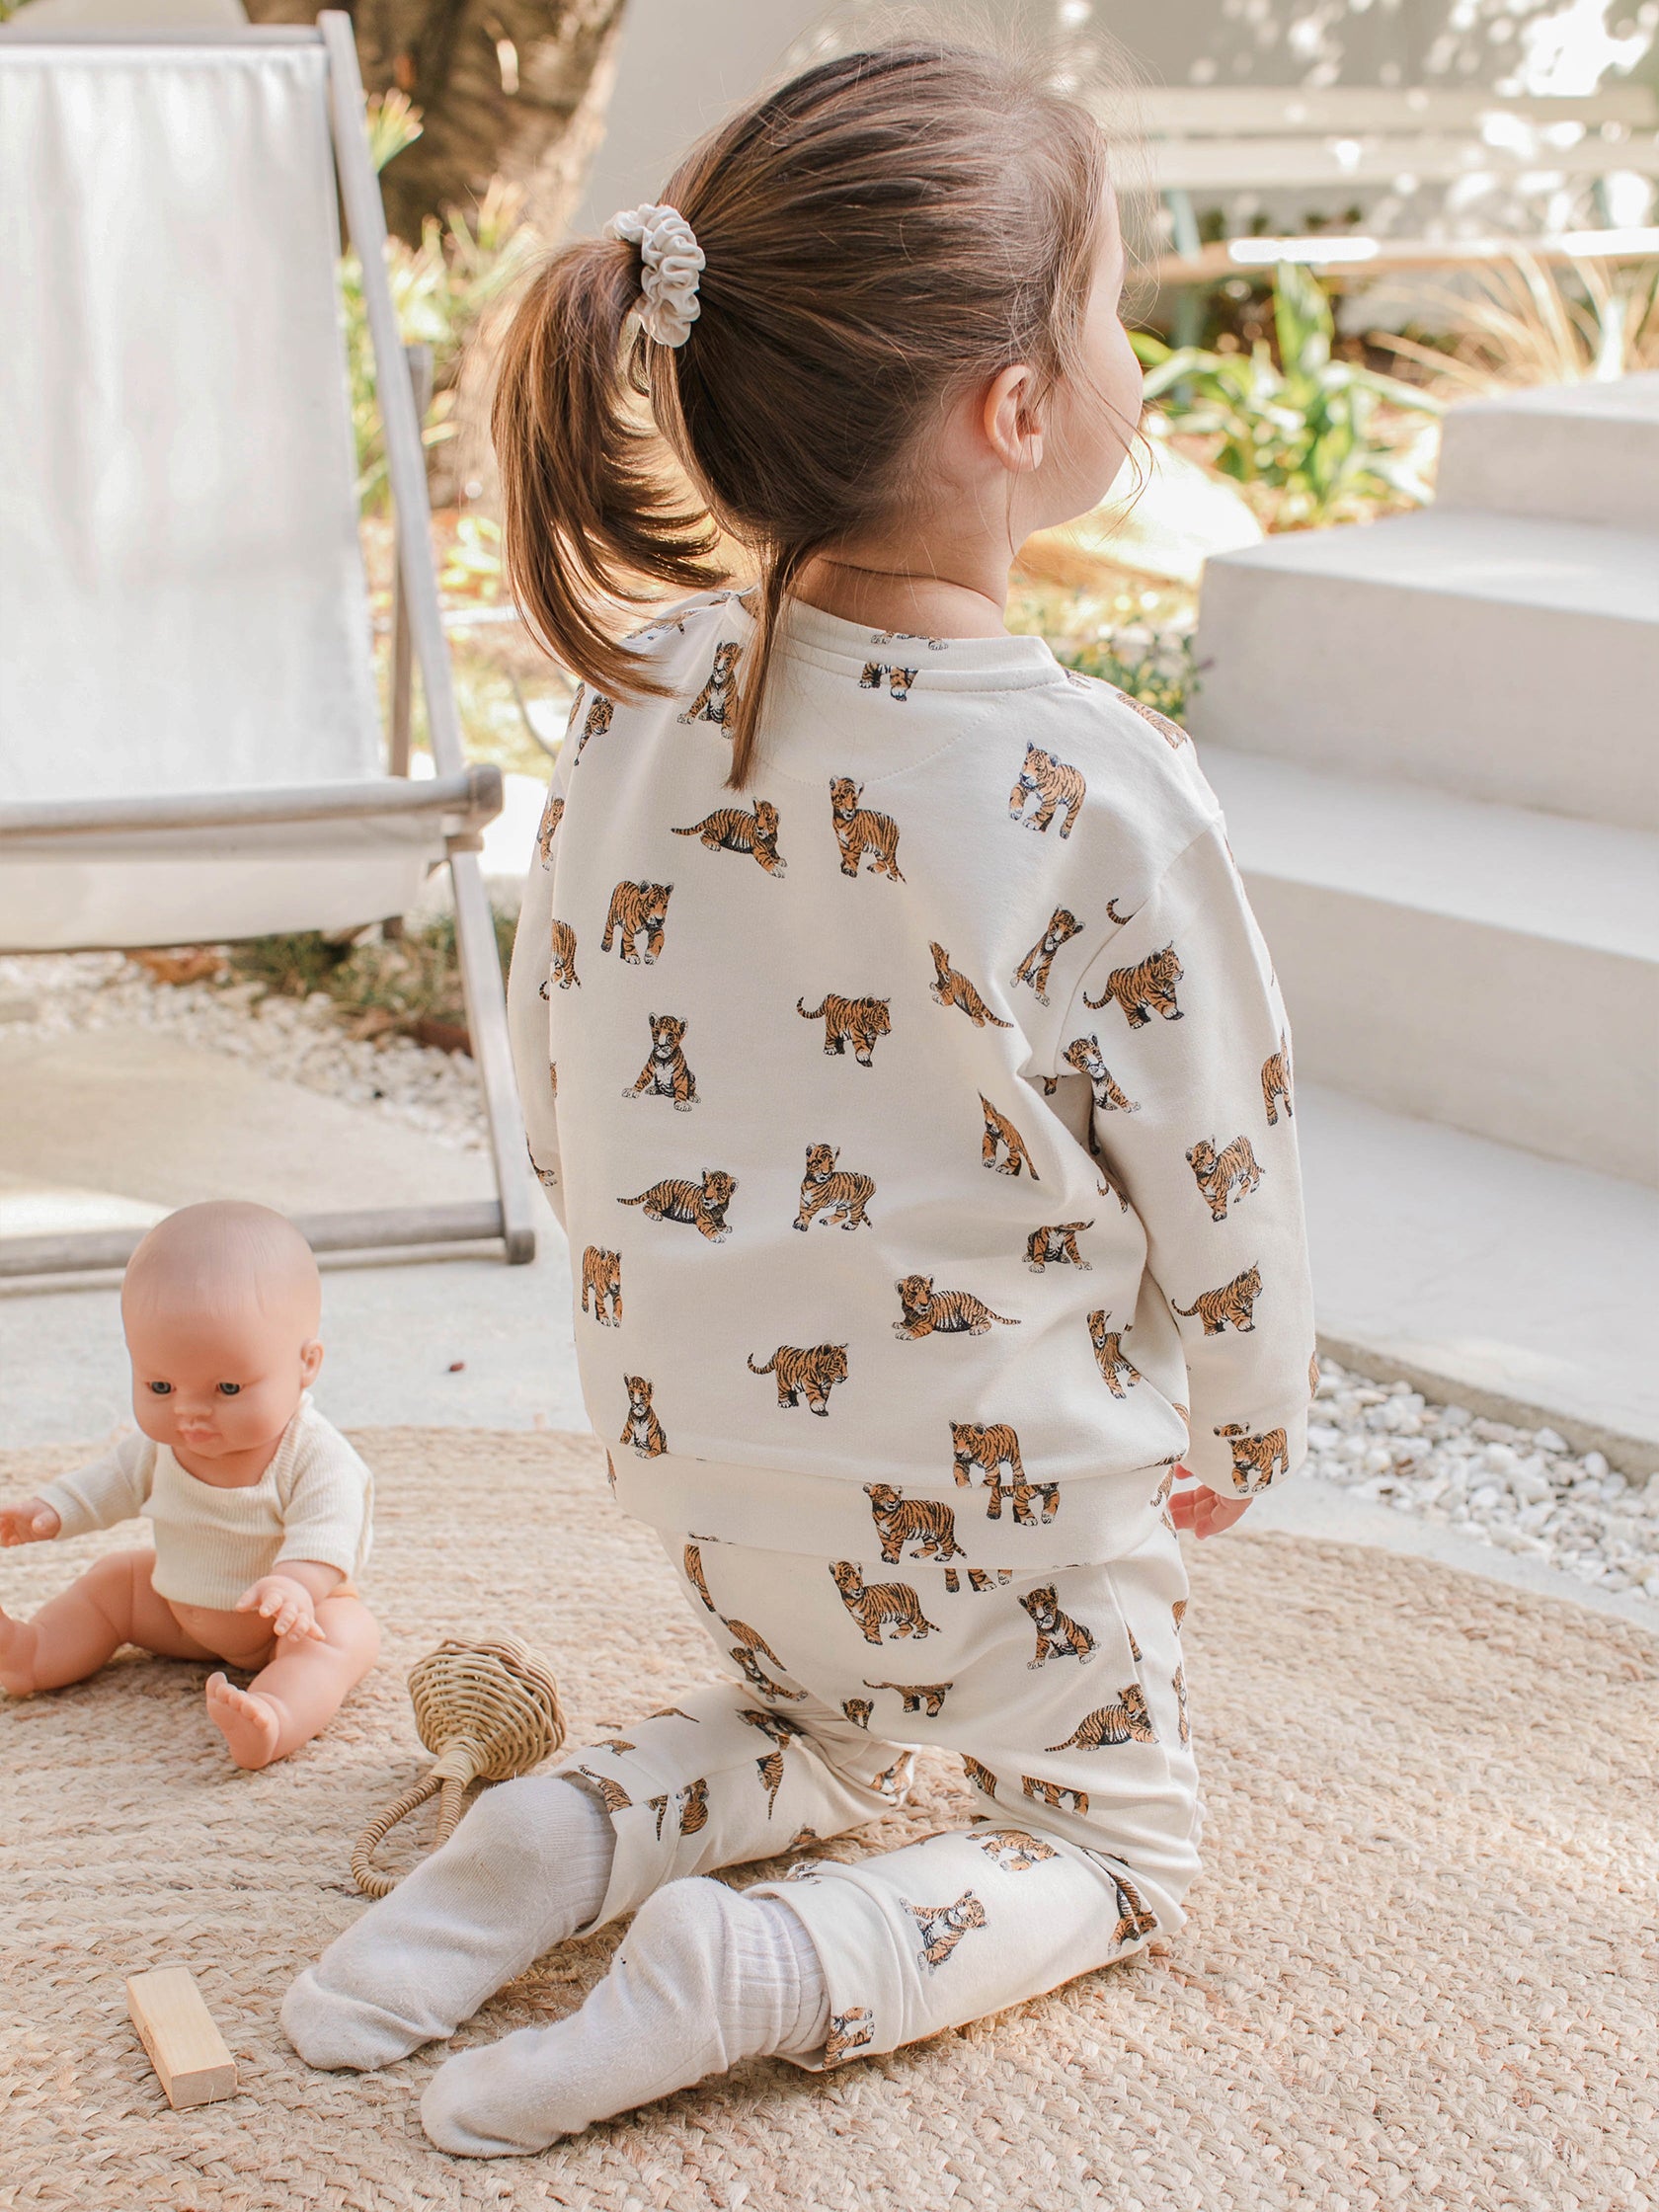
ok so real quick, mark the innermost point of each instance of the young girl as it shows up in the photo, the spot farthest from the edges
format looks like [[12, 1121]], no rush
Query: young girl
[[903, 1058]]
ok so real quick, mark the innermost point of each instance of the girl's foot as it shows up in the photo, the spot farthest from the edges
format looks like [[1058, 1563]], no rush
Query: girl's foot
[[705, 1976], [527, 1866], [17, 1656], [249, 1724]]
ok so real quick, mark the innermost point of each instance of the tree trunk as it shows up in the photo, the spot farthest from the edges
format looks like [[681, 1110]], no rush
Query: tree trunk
[[511, 88]]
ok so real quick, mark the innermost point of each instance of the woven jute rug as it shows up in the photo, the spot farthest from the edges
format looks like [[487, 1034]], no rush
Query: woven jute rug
[[1421, 1967]]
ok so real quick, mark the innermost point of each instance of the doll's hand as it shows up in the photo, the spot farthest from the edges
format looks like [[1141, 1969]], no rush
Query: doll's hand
[[33, 1522], [1202, 1510], [284, 1603]]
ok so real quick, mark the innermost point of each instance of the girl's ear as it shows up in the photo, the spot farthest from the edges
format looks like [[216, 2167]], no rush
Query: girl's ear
[[1011, 421]]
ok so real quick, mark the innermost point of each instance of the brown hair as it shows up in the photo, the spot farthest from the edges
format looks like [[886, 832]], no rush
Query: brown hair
[[881, 232]]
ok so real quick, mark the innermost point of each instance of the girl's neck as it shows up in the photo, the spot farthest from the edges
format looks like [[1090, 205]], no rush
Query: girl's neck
[[886, 590]]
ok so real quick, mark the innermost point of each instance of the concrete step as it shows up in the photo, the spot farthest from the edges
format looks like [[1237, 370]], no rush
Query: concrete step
[[1489, 967], [1575, 452], [1483, 1273], [1495, 656]]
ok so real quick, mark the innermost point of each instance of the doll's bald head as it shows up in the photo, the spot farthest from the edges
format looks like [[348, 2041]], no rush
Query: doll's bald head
[[221, 1303], [225, 1254]]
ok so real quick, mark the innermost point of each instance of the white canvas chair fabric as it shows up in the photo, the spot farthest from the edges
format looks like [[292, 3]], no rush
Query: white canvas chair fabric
[[183, 605], [190, 746]]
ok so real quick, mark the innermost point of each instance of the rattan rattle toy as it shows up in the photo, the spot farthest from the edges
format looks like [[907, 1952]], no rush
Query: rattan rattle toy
[[490, 1711]]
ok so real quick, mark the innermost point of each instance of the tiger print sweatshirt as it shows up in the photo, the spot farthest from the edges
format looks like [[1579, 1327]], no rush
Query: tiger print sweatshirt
[[920, 1117]]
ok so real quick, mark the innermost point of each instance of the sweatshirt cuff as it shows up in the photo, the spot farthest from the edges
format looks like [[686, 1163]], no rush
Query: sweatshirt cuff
[[1239, 1458], [75, 1515]]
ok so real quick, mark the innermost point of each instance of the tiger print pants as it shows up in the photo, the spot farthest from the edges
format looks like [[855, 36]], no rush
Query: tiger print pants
[[1062, 1691]]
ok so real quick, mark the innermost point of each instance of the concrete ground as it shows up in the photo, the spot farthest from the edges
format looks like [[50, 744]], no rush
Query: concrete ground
[[120, 1127]]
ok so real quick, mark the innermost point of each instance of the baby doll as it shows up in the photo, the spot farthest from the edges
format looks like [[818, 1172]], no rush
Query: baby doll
[[261, 1510]]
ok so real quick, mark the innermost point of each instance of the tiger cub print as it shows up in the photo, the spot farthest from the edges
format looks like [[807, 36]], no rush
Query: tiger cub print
[[1128, 1722], [1134, 1647], [893, 1782], [1256, 1460], [701, 1206], [1179, 1611], [1171, 733], [861, 831], [548, 826], [616, 1745], [562, 970], [979, 1578], [1035, 967], [731, 830], [1084, 1055], [849, 2031], [836, 1194], [926, 1311], [1013, 1849], [915, 1694], [898, 681], [716, 702], [1056, 1246], [599, 713], [944, 1925], [748, 1642], [1000, 1135], [881, 1606], [601, 1272], [1276, 1082], [1159, 1502], [637, 909], [1053, 1795], [698, 1580], [981, 1777], [693, 1806], [1146, 989], [950, 988], [990, 1448], [861, 1021], [812, 1372], [770, 1769], [1216, 1173], [659, 1806], [1112, 914], [1113, 1361], [1057, 1635], [858, 1710], [1184, 1725], [611, 1795], [1134, 1919], [1313, 1374], [1232, 1302], [665, 1073], [909, 637], [929, 1529], [641, 1429], [1052, 785]]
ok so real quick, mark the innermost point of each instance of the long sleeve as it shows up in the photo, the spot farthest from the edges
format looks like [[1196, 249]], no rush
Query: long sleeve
[[527, 1003], [113, 1488], [1187, 1047]]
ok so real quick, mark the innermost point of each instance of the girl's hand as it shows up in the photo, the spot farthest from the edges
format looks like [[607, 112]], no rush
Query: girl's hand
[[33, 1522], [1202, 1510], [284, 1603]]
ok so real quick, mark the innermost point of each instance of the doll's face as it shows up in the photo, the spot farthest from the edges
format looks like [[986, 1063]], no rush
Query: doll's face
[[219, 1382]]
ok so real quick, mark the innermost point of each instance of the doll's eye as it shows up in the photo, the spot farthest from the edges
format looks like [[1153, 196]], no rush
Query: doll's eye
[[229, 1390], [162, 1390]]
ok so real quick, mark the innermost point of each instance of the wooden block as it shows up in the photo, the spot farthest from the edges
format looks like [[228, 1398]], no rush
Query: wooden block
[[187, 2052]]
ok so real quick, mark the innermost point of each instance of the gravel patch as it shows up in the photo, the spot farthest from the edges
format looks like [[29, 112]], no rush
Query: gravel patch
[[1523, 1490], [297, 1040]]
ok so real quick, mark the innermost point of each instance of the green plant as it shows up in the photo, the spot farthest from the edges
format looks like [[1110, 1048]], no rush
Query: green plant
[[379, 984], [440, 289], [1305, 428], [1157, 668]]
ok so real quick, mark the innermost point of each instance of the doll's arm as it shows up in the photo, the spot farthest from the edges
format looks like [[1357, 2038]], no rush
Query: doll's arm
[[290, 1595], [113, 1488], [33, 1522]]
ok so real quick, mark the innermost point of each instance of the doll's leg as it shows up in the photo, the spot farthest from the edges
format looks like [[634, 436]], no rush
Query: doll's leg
[[73, 1635], [299, 1692]]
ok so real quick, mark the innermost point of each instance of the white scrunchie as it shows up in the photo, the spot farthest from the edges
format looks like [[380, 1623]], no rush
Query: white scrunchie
[[671, 255]]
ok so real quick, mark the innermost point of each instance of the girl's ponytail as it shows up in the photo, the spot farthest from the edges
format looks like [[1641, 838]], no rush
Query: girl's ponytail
[[590, 518]]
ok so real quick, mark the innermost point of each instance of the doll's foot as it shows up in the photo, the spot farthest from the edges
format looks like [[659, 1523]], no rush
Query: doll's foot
[[17, 1656], [249, 1724]]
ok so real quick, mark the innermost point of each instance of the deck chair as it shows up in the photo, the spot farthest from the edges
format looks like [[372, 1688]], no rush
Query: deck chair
[[190, 740]]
